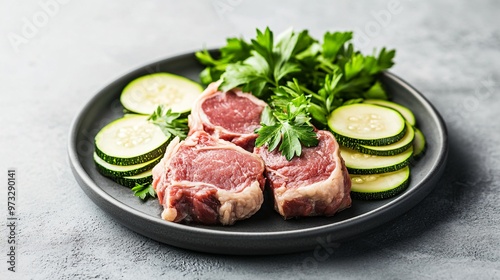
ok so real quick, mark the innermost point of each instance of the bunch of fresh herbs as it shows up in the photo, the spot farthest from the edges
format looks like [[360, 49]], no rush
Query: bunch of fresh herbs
[[302, 79]]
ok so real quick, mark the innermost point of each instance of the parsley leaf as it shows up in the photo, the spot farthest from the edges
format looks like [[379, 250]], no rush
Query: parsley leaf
[[385, 58], [333, 43], [144, 191], [263, 44], [234, 51], [294, 136], [172, 124], [269, 134], [375, 92]]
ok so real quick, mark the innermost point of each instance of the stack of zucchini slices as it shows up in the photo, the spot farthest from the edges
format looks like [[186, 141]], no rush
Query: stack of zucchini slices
[[378, 140], [127, 149]]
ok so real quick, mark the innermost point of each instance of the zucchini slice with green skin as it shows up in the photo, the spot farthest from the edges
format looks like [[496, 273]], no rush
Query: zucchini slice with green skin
[[364, 164], [380, 186], [130, 140], [130, 181], [144, 94], [419, 143], [405, 112], [366, 124], [111, 170], [392, 149]]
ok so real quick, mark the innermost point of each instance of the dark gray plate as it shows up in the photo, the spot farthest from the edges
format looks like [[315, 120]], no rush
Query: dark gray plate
[[265, 232]]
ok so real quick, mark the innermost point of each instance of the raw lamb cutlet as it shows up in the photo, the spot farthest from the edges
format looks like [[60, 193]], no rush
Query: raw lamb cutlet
[[207, 180], [232, 115], [314, 184]]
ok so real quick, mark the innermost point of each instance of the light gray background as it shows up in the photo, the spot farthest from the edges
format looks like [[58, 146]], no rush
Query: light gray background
[[449, 50]]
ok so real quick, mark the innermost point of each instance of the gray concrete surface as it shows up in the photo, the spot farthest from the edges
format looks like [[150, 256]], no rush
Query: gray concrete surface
[[54, 58]]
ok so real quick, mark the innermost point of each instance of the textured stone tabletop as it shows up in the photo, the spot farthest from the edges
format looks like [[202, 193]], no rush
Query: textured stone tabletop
[[55, 55]]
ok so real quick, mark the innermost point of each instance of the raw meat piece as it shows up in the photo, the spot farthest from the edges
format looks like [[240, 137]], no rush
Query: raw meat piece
[[208, 180], [316, 183], [232, 115]]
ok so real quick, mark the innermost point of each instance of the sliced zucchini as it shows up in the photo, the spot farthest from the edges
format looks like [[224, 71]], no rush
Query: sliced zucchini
[[359, 163], [380, 186], [111, 170], [366, 124], [130, 140], [130, 181], [392, 149], [419, 143], [144, 94], [405, 112]]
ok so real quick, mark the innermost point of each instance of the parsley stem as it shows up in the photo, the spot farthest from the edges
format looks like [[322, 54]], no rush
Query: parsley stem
[[269, 80], [308, 91], [326, 69]]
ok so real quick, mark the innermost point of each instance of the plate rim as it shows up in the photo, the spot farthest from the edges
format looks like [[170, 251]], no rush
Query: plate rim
[[96, 193]]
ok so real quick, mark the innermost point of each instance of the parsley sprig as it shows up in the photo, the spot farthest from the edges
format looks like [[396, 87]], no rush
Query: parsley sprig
[[287, 123], [144, 191], [301, 78], [172, 124], [269, 64]]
